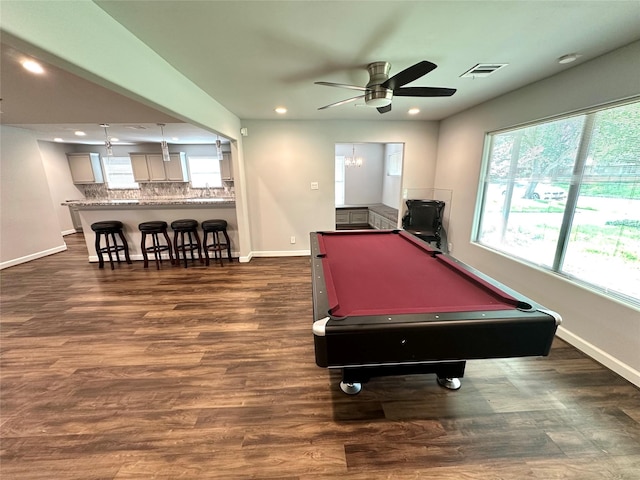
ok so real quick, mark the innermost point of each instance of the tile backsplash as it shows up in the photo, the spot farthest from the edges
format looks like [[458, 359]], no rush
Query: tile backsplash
[[100, 191]]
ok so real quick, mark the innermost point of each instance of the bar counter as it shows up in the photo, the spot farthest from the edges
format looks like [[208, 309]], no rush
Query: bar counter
[[132, 212]]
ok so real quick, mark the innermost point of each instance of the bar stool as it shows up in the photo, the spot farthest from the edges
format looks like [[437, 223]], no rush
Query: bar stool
[[190, 228], [155, 228], [109, 228], [215, 227]]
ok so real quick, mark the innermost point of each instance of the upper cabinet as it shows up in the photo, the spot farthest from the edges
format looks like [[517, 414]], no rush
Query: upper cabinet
[[85, 167], [150, 167], [226, 171]]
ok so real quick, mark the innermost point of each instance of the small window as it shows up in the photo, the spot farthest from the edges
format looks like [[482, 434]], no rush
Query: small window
[[394, 164], [119, 172], [339, 179], [205, 172]]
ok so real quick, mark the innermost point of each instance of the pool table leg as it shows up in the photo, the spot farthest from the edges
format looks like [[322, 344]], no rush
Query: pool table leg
[[450, 383], [350, 388]]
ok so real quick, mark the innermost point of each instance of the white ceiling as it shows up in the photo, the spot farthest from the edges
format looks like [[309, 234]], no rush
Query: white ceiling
[[252, 56]]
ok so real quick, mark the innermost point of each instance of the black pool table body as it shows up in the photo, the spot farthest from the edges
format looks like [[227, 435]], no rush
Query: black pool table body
[[387, 303]]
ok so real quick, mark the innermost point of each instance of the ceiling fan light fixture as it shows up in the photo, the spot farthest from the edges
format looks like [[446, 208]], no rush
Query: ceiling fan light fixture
[[378, 102], [380, 90], [378, 96]]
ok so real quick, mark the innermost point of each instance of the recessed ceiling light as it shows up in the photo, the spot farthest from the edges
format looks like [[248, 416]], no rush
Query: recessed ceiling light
[[281, 110], [414, 111], [114, 139], [175, 139], [32, 66], [570, 57], [58, 139], [79, 133]]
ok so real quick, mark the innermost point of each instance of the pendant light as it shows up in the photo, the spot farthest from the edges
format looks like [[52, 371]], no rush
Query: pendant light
[[107, 142], [165, 148], [219, 147]]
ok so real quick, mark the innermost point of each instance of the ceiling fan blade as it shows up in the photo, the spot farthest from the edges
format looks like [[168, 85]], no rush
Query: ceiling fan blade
[[384, 109], [408, 75], [342, 102], [342, 85], [424, 92]]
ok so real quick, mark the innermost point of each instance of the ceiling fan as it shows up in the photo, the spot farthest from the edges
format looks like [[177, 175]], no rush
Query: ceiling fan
[[381, 89]]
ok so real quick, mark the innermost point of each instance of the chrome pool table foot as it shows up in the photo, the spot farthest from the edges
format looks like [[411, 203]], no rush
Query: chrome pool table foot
[[450, 383], [350, 388]]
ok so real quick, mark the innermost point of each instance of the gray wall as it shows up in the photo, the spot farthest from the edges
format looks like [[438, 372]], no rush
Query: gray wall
[[29, 226], [61, 186], [363, 185], [391, 184], [282, 158]]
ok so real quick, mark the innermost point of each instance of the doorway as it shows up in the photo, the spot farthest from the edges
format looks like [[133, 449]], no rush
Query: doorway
[[368, 184]]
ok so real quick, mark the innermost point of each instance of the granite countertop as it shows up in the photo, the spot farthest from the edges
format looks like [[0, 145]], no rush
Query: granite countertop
[[151, 202]]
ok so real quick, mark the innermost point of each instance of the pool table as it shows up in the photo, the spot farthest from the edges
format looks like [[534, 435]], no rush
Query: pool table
[[387, 303]]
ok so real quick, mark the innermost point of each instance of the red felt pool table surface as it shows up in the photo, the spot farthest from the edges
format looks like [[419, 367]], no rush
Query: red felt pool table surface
[[374, 274]]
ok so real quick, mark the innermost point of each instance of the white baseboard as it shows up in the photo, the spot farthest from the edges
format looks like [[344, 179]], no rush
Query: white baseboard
[[612, 363], [69, 232], [280, 253], [33, 256]]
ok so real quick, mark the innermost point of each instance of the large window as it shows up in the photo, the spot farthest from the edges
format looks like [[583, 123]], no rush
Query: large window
[[205, 172], [119, 172], [565, 195]]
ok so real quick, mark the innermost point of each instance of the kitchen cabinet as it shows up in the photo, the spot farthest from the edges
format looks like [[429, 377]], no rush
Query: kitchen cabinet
[[379, 222], [226, 171], [150, 167], [342, 218], [351, 216], [85, 168]]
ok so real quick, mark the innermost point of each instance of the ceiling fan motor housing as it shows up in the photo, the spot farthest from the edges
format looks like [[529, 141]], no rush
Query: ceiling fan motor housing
[[377, 96]]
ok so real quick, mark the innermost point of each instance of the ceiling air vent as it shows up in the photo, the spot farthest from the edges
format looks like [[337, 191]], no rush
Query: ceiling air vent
[[483, 70], [135, 127]]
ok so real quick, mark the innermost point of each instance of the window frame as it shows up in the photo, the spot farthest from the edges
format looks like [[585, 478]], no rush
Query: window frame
[[573, 195], [107, 178], [206, 184]]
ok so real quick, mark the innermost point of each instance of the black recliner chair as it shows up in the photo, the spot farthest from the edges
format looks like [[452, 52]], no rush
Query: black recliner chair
[[424, 219]]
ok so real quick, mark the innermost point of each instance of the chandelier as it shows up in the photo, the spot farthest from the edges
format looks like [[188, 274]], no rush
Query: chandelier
[[353, 161]]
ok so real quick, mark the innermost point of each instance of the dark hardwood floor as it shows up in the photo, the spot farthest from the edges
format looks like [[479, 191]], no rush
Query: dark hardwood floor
[[208, 372]]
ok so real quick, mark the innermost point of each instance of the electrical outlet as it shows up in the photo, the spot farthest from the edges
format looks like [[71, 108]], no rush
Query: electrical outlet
[[450, 245], [293, 240], [314, 185]]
